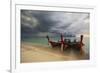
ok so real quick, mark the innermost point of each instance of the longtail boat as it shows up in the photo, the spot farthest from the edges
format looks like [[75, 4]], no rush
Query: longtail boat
[[66, 43]]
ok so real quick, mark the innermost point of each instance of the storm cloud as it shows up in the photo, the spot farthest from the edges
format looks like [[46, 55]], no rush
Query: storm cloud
[[40, 23]]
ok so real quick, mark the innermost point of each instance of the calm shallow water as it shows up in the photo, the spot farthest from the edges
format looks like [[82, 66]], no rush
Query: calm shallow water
[[44, 41]]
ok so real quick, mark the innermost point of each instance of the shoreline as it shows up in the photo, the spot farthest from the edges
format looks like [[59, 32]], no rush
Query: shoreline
[[39, 53]]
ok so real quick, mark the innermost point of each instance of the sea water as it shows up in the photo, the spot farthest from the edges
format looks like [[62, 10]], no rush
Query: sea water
[[44, 41]]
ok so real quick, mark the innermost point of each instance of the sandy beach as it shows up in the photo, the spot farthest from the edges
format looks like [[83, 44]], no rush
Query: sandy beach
[[38, 53]]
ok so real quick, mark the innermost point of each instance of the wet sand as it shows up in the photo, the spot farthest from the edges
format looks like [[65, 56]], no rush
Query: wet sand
[[39, 53]]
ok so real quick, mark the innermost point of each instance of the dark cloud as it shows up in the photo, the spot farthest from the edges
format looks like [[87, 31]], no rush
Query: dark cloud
[[43, 24], [39, 23]]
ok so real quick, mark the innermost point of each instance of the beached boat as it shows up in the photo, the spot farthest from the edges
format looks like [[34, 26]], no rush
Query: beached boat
[[66, 43]]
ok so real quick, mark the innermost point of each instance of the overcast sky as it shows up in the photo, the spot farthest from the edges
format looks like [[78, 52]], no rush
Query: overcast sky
[[42, 23]]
